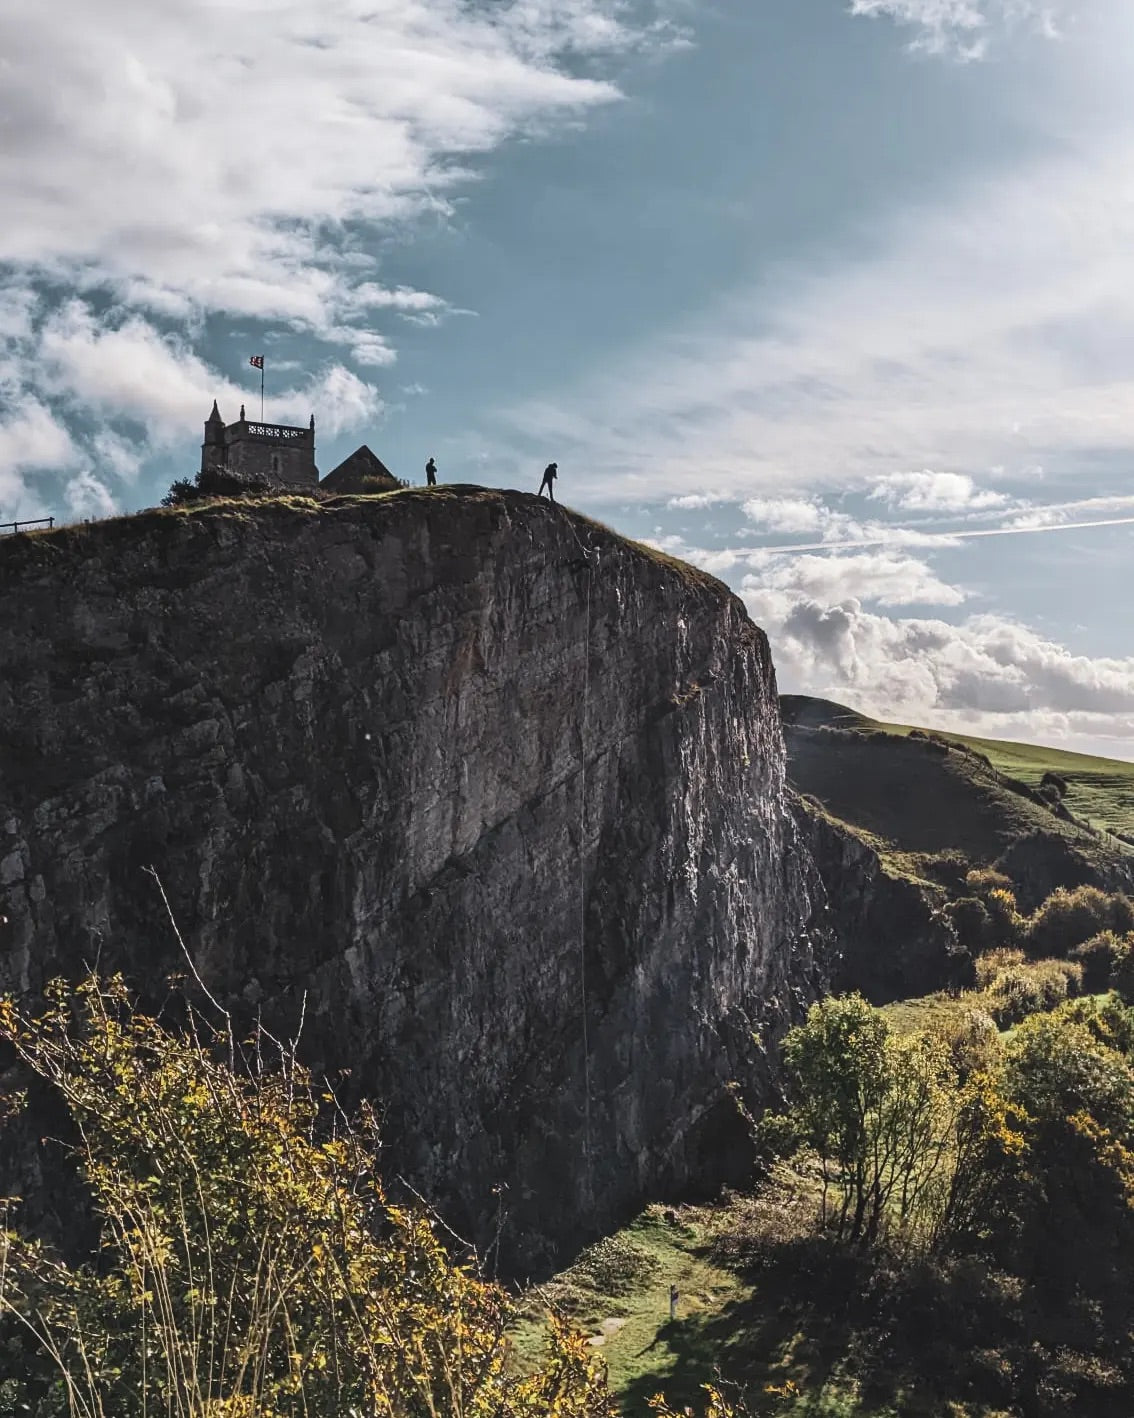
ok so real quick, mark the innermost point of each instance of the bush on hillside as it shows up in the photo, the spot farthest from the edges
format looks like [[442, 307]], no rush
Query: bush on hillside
[[1070, 918], [971, 1036], [982, 881], [973, 923], [994, 890], [1008, 924], [1122, 971], [1014, 987], [878, 1110], [1098, 957]]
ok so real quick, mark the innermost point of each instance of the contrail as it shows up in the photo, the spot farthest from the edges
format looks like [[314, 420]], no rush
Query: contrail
[[920, 538]]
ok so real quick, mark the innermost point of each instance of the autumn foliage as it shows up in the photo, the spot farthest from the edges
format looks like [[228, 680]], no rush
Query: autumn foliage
[[250, 1261]]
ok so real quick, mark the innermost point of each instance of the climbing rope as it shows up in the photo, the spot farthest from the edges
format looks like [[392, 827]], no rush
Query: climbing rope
[[583, 899], [590, 563]]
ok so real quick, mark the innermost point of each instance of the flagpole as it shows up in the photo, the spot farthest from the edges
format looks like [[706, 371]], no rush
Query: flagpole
[[262, 362]]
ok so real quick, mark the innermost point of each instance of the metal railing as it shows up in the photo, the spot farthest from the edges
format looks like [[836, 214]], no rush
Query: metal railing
[[11, 528]]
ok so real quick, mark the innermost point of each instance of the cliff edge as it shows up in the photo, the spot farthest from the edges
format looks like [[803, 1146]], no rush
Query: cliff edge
[[511, 819]]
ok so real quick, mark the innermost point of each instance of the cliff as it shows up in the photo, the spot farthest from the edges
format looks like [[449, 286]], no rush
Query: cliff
[[512, 821], [894, 941]]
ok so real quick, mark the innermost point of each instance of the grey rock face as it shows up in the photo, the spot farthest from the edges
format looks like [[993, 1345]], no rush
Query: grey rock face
[[513, 823], [894, 941]]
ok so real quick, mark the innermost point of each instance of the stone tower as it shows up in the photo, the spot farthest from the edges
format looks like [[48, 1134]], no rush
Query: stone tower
[[275, 452]]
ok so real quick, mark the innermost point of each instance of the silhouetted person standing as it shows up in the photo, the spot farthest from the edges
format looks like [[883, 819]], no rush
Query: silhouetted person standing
[[431, 473], [550, 473]]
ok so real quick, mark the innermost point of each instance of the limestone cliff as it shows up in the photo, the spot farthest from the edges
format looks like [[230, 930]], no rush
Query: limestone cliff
[[512, 819], [894, 941]]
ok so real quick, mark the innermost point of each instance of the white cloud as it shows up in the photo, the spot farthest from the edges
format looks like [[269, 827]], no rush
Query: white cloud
[[788, 514], [343, 402], [120, 456], [881, 577], [987, 675], [1056, 515], [694, 501], [32, 438], [87, 497], [135, 371], [370, 348], [964, 28], [17, 306], [934, 492], [196, 158], [130, 369], [802, 516]]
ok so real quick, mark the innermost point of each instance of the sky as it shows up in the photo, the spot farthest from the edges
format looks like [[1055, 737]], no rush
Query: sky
[[832, 297]]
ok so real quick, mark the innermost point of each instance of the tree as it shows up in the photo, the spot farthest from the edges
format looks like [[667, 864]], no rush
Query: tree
[[877, 1110], [1071, 1199], [213, 482], [251, 1262]]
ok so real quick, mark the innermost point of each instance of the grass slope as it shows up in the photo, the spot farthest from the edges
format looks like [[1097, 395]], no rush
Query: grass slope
[[788, 1348], [618, 1293], [901, 791]]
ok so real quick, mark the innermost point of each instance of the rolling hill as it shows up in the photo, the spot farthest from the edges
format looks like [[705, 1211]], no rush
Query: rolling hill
[[1100, 791]]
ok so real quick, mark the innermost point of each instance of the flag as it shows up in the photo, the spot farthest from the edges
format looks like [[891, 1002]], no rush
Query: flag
[[257, 361]]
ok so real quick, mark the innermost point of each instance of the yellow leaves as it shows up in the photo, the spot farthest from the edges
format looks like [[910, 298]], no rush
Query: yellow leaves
[[1110, 1152], [716, 1405], [999, 1122], [264, 1264], [787, 1392]]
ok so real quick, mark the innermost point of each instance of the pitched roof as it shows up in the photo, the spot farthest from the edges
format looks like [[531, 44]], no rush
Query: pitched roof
[[359, 473]]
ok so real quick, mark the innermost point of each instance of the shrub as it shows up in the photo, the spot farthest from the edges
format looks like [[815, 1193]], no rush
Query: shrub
[[1098, 957], [214, 482], [989, 966], [1015, 988], [972, 1039], [994, 890], [1122, 971], [984, 880], [251, 1263], [1070, 918], [973, 923], [876, 1108]]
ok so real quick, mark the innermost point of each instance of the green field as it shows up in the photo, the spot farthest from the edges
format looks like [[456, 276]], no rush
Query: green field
[[1100, 790]]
